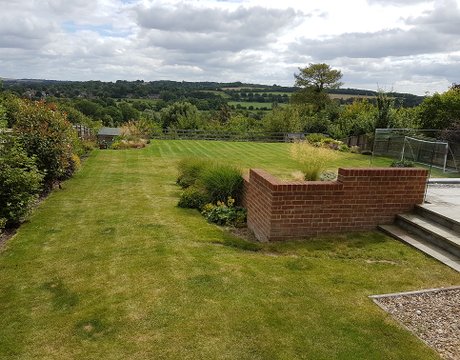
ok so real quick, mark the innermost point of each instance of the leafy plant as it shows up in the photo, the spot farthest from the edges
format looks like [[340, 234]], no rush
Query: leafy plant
[[2, 224], [225, 213], [315, 138], [402, 163], [45, 133], [20, 181], [193, 197], [221, 181]]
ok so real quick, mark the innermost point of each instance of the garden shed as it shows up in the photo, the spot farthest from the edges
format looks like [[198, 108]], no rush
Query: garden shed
[[106, 135]]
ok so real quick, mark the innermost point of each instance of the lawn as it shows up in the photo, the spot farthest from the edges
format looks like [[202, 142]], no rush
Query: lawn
[[109, 268]]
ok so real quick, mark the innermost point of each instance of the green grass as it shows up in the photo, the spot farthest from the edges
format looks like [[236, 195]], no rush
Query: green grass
[[109, 268]]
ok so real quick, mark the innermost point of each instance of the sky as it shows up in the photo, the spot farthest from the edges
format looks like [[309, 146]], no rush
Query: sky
[[395, 45]]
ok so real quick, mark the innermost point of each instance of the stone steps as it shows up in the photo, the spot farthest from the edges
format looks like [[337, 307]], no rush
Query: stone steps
[[429, 231]]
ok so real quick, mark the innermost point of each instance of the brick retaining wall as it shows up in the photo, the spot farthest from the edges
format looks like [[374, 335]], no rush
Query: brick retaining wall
[[360, 199]]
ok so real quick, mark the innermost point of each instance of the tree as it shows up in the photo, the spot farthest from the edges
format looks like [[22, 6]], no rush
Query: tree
[[182, 115], [384, 106], [440, 110], [355, 119], [318, 77], [313, 82]]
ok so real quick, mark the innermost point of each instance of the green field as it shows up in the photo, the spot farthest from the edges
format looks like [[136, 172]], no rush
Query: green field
[[109, 268], [247, 104]]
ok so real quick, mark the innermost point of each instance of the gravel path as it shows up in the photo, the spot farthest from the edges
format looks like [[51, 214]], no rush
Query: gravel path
[[434, 316]]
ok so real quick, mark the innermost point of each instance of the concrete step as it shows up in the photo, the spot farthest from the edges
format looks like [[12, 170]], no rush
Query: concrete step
[[431, 231], [423, 245], [449, 216]]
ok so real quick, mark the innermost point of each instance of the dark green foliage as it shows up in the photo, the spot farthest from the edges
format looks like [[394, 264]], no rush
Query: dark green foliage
[[193, 197], [440, 110], [222, 181], [384, 106], [181, 115], [315, 138], [225, 213], [402, 163], [190, 170], [20, 181]]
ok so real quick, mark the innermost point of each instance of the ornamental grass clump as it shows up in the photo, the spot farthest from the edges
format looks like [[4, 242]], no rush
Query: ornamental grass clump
[[221, 181], [190, 170], [313, 160]]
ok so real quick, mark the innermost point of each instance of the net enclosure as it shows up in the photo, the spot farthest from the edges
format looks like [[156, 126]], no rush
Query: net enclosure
[[419, 146]]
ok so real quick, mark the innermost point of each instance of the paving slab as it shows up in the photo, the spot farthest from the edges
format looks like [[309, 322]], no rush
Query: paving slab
[[445, 197]]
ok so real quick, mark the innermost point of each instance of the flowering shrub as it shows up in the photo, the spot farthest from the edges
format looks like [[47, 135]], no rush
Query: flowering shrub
[[45, 133]]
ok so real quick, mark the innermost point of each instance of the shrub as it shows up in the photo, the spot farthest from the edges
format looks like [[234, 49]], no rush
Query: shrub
[[193, 197], [343, 147], [190, 169], [402, 163], [87, 146], [45, 133], [225, 213], [123, 144], [315, 138], [221, 181], [313, 160], [20, 181], [74, 166], [2, 224]]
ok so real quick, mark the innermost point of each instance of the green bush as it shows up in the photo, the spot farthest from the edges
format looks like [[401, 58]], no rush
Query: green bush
[[402, 163], [222, 181], [45, 133], [315, 138], [225, 213], [193, 197], [190, 170], [2, 224], [20, 181]]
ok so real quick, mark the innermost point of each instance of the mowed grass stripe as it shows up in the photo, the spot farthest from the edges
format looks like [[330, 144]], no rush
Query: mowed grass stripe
[[109, 267]]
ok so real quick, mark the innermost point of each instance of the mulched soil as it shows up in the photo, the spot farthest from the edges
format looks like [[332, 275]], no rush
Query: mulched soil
[[434, 316]]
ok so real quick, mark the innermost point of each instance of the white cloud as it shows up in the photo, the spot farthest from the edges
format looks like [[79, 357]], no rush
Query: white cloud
[[409, 45]]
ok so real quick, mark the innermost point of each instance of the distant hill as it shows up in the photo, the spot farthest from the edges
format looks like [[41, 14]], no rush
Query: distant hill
[[175, 90]]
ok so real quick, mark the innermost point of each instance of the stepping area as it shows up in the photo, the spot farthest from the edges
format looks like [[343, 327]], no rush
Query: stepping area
[[433, 227]]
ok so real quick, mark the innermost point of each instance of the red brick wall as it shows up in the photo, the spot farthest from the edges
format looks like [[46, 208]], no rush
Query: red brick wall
[[360, 199]]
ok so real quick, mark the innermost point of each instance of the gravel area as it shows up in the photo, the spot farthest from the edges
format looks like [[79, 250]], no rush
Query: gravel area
[[433, 315]]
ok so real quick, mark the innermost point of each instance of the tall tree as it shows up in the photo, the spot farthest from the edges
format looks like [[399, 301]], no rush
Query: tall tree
[[318, 77], [313, 82]]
